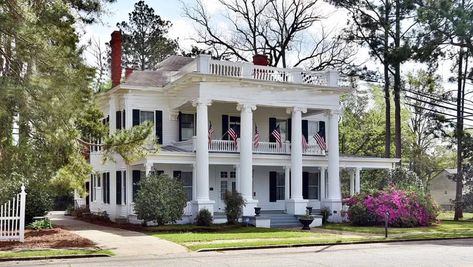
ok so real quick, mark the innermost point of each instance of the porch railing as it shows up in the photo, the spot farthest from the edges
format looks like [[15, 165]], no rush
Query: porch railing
[[223, 146], [272, 148], [330, 78], [12, 218]]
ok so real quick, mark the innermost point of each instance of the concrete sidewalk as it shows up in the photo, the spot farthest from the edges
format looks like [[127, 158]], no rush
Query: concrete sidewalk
[[121, 242]]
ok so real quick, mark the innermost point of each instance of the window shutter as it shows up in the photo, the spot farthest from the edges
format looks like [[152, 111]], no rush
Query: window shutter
[[136, 176], [322, 129], [179, 117], [305, 129], [123, 120], [108, 187], [104, 187], [305, 185], [272, 126], [92, 187], [124, 187], [225, 127], [289, 129], [136, 117], [159, 126], [118, 120], [118, 190], [272, 186]]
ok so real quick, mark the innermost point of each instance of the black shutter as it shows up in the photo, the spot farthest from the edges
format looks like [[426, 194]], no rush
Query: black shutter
[[180, 125], [305, 129], [136, 176], [272, 186], [118, 120], [118, 190], [104, 187], [108, 187], [289, 129], [124, 187], [123, 120], [136, 117], [159, 126], [305, 185], [92, 186], [177, 174], [272, 126], [225, 127], [322, 129]]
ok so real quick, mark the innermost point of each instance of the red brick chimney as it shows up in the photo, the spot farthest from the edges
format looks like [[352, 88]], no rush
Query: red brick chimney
[[116, 46]]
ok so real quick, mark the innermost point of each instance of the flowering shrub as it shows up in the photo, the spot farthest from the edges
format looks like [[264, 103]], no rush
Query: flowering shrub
[[405, 208]]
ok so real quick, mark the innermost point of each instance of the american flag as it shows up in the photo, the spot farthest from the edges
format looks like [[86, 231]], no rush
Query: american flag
[[256, 138], [277, 135], [211, 131], [233, 134], [305, 145], [320, 141]]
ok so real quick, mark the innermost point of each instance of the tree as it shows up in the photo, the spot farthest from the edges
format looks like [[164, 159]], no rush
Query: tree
[[160, 199], [47, 109], [385, 27], [278, 28], [144, 38]]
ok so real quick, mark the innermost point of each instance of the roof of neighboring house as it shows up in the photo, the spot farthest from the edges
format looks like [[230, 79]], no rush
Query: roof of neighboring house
[[451, 171], [160, 76]]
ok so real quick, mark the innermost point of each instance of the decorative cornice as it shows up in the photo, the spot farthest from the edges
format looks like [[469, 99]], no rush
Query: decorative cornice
[[296, 109]]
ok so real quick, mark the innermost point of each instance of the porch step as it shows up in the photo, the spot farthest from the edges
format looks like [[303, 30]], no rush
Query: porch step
[[283, 220]]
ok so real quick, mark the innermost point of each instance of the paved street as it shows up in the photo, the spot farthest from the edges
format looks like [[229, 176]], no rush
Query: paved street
[[429, 253]]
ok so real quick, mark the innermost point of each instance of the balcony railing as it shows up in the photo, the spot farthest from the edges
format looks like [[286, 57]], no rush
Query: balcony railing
[[229, 146], [204, 64]]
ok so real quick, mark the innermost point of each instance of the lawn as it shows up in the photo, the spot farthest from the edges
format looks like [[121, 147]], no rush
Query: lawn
[[52, 253], [222, 236]]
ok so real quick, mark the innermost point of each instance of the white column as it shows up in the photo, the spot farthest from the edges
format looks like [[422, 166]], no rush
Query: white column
[[128, 113], [352, 182], [297, 204], [246, 157], [322, 183], [194, 183], [202, 157], [238, 177], [287, 173], [357, 180], [148, 168], [334, 198], [112, 108]]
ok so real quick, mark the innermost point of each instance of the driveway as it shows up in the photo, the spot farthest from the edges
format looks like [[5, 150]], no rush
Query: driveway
[[121, 242]]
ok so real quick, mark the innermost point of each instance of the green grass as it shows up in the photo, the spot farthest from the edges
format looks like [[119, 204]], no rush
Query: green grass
[[448, 215], [222, 236], [52, 253]]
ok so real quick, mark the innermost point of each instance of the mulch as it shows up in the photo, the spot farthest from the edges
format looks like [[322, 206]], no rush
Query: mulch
[[48, 238]]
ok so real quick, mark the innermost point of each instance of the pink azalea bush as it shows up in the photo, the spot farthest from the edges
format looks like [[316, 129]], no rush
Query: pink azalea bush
[[405, 208]]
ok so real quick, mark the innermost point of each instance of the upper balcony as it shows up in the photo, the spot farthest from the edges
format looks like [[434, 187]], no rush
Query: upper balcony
[[246, 70], [229, 146]]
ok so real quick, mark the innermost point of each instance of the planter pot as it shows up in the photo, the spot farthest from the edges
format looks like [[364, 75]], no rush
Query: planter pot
[[305, 222], [257, 211], [309, 209]]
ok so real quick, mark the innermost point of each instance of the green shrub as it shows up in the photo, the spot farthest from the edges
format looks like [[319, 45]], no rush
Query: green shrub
[[160, 199], [234, 204], [80, 212], [204, 218], [41, 224]]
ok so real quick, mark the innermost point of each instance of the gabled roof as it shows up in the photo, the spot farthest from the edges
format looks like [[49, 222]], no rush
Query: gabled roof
[[159, 77]]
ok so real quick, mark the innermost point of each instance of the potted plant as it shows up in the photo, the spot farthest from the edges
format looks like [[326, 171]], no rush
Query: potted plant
[[325, 214], [306, 220], [257, 211]]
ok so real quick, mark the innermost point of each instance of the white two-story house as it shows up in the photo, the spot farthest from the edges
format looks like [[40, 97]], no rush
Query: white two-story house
[[185, 97]]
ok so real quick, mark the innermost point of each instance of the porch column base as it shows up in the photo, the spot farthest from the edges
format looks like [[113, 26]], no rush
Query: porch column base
[[335, 208], [296, 206], [249, 208], [202, 204]]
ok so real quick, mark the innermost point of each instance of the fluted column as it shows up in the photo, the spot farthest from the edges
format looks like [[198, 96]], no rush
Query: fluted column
[[352, 182], [357, 180], [296, 204], [202, 150], [322, 183], [334, 198]]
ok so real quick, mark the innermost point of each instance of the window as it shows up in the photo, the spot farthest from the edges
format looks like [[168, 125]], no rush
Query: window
[[223, 174], [282, 128], [311, 185], [277, 184], [186, 179], [224, 188], [232, 174], [136, 176], [146, 116], [313, 128], [119, 187], [187, 126]]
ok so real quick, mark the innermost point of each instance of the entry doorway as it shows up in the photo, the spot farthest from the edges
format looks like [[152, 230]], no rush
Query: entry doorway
[[226, 181]]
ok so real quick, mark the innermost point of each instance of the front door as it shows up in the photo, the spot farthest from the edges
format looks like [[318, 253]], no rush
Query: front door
[[226, 181]]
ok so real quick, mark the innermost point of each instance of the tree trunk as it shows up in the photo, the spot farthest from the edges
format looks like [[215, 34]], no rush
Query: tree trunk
[[387, 97], [459, 130], [397, 84]]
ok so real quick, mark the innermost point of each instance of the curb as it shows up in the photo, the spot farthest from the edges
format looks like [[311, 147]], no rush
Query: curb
[[329, 244], [54, 257]]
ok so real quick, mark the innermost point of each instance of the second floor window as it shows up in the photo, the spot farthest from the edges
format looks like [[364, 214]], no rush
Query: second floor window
[[187, 126]]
